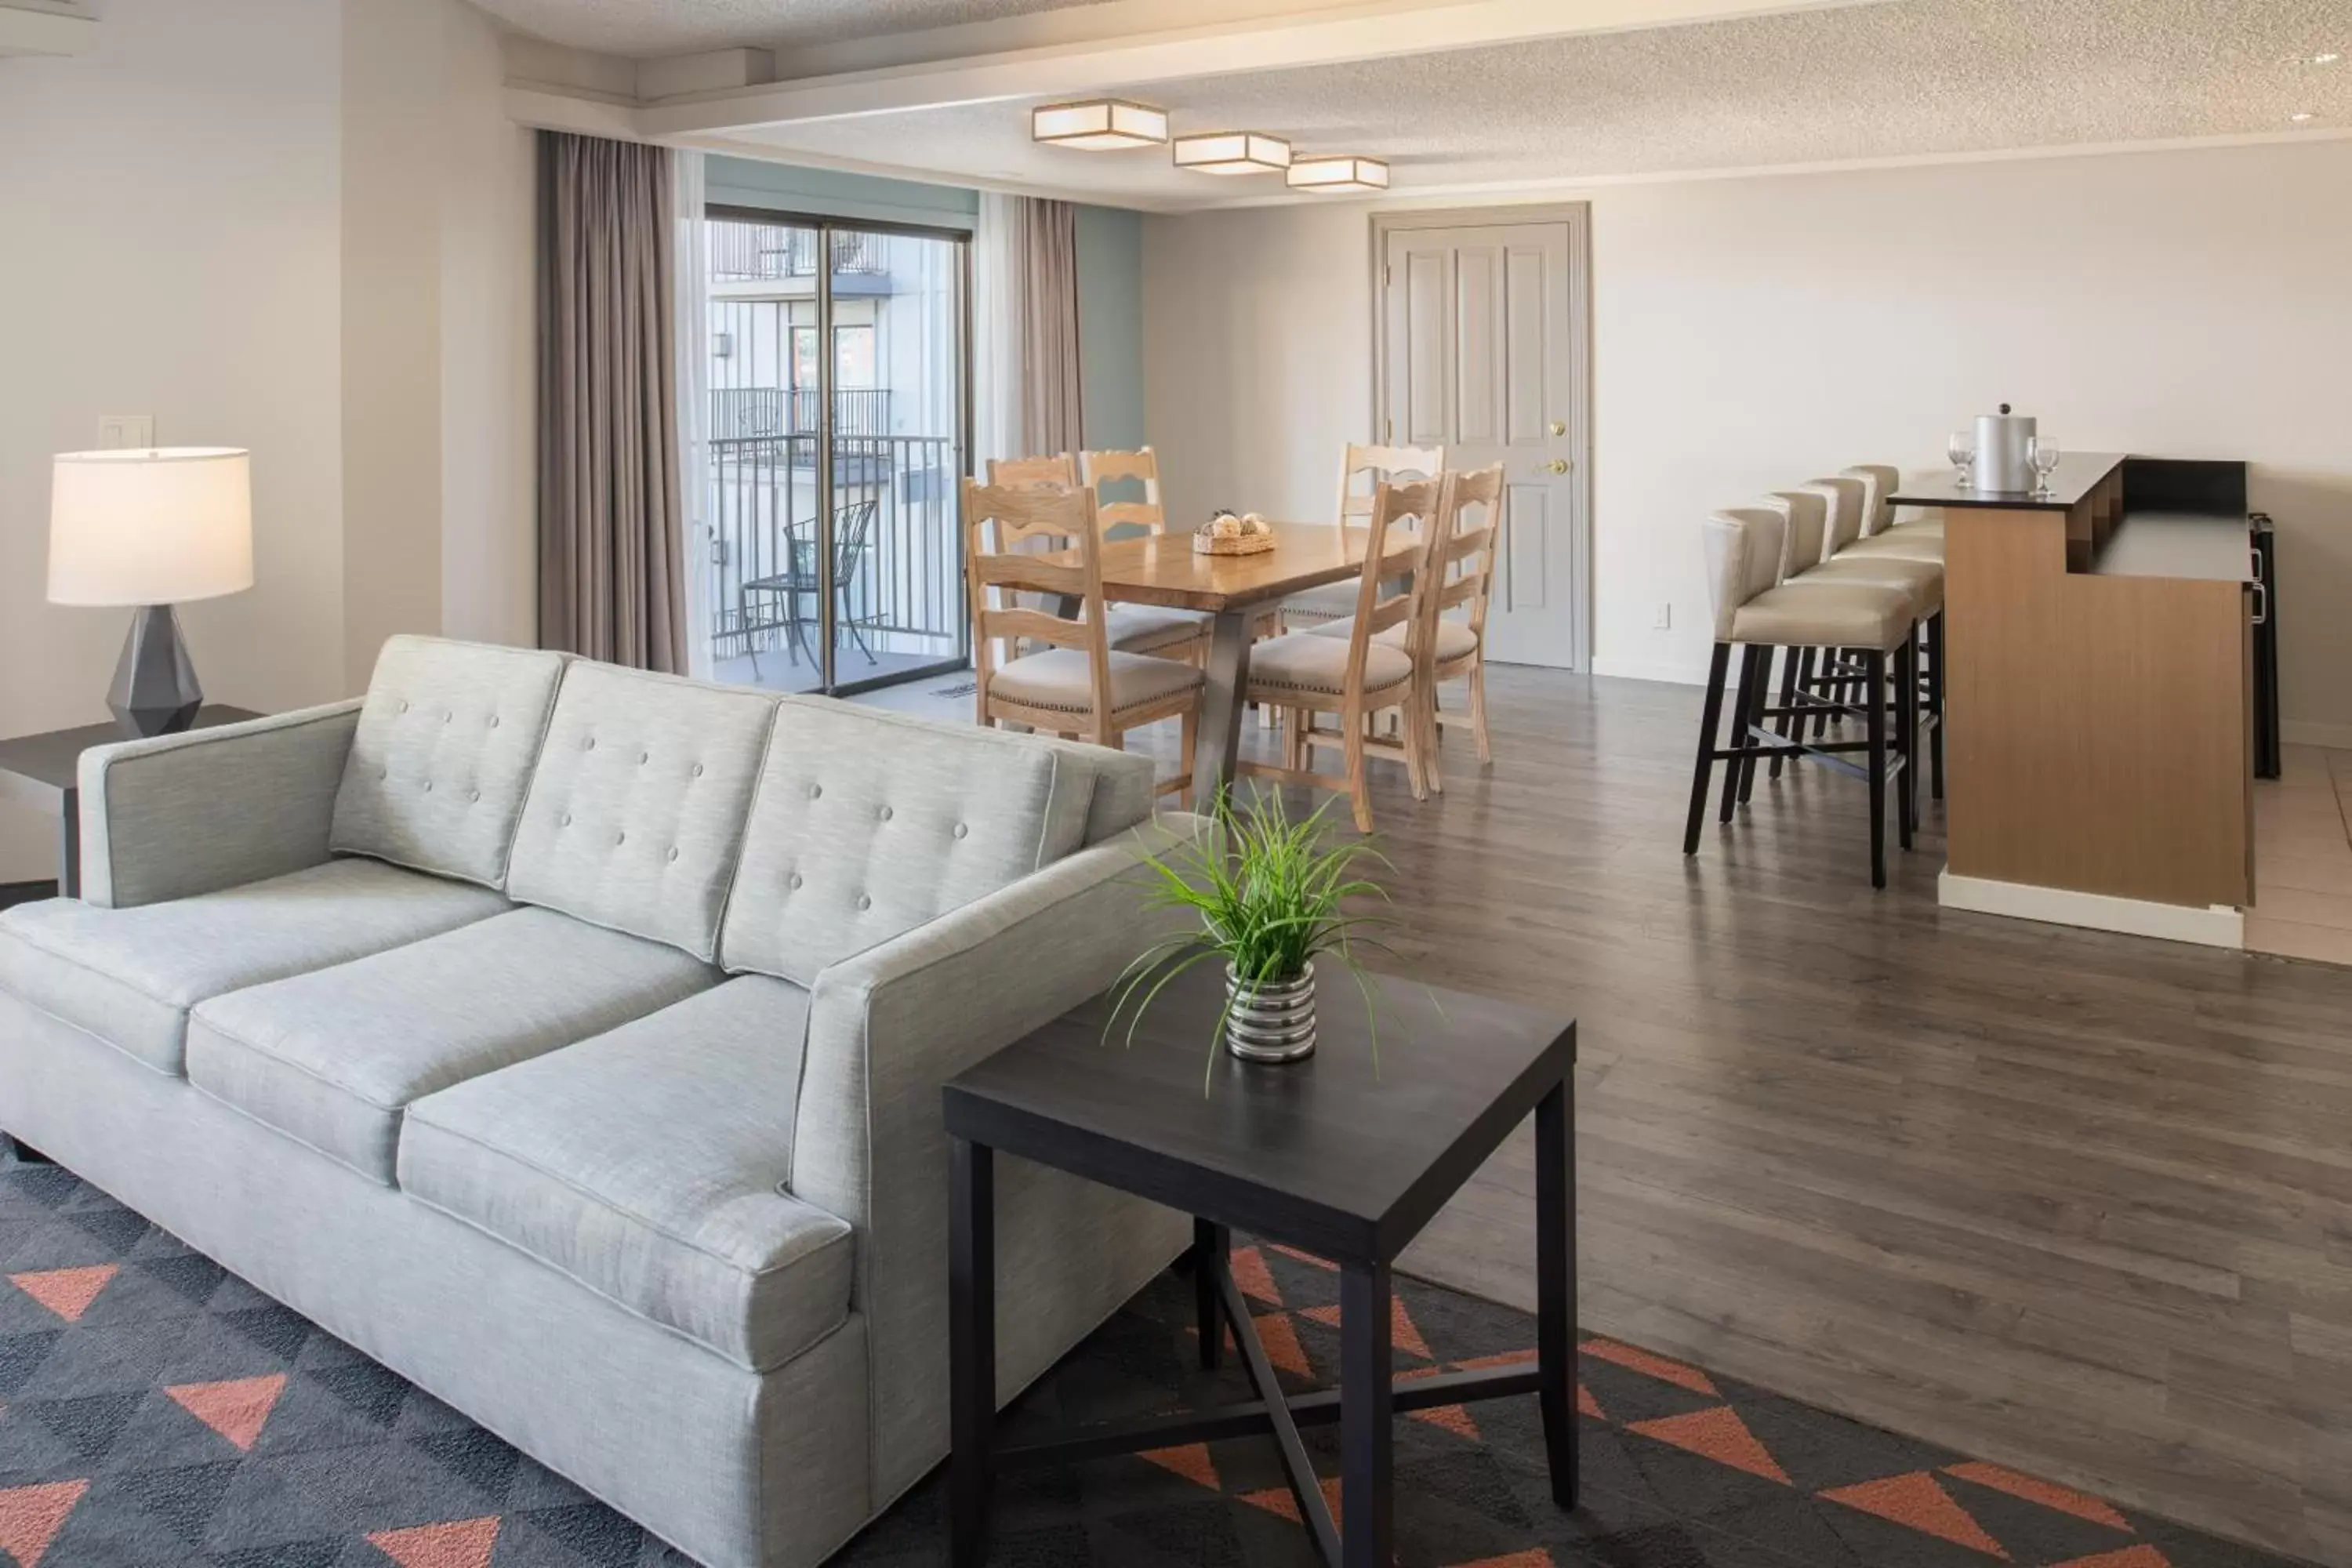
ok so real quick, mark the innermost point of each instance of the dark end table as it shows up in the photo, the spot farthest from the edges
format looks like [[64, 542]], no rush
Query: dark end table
[[43, 771], [1328, 1155]]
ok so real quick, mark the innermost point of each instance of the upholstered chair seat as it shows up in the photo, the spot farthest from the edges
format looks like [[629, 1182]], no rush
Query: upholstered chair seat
[[1454, 639], [1062, 681], [1149, 628], [1307, 664]]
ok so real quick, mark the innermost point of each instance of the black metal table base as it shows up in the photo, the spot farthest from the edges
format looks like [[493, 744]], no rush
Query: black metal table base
[[1363, 1406]]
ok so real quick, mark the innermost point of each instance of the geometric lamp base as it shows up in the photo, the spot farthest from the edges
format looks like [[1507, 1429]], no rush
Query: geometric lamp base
[[155, 691]]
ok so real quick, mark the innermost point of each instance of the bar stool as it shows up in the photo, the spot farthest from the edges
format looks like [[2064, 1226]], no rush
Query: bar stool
[[1757, 613], [1864, 493], [1806, 510], [1881, 534]]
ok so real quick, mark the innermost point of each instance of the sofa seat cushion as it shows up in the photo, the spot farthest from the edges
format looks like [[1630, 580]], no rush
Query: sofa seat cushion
[[650, 1165], [333, 1057], [129, 977]]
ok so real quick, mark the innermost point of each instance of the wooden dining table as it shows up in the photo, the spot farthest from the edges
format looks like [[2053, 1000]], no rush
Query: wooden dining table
[[1163, 569]]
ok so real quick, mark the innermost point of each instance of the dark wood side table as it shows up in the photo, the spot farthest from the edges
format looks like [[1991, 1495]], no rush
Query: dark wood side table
[[40, 770], [1328, 1155]]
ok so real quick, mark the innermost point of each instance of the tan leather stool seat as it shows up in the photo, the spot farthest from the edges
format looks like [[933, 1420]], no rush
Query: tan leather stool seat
[[1825, 614], [1922, 580], [1904, 543]]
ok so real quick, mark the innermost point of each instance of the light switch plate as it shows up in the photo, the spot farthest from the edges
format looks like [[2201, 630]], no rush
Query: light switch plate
[[1664, 621], [125, 432]]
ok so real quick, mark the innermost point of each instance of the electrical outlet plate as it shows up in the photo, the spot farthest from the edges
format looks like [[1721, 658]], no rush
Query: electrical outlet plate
[[1665, 619], [126, 432]]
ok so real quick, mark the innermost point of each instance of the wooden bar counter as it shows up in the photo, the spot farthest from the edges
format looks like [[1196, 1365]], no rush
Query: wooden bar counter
[[2097, 708]]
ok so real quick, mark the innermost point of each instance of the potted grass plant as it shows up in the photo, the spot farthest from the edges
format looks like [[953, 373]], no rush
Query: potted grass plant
[[1271, 896]]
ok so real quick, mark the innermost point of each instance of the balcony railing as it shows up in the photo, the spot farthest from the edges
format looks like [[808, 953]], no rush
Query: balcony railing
[[743, 411], [759, 253], [898, 589]]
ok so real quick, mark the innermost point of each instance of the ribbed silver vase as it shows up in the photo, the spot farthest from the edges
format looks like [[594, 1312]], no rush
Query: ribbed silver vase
[[1270, 1022]]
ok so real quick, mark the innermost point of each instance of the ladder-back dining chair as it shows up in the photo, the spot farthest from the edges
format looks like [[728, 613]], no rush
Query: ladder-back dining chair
[[1142, 628], [1076, 684]]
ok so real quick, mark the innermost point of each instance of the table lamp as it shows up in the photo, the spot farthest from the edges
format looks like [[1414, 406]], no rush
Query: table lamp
[[151, 529]]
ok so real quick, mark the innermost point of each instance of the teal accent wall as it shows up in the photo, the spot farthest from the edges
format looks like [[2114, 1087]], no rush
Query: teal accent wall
[[1110, 325], [1110, 266]]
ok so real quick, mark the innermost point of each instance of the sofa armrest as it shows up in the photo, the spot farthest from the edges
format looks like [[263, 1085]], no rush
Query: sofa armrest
[[181, 815], [886, 1029]]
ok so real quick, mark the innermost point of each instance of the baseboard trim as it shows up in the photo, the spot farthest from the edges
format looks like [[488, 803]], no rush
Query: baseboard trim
[[2302, 732], [2215, 926], [1652, 669]]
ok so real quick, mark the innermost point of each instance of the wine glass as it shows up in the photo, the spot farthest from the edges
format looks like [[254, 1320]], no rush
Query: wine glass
[[2044, 457], [1962, 449]]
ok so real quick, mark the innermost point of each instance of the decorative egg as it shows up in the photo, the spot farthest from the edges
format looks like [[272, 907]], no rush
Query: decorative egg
[[1227, 527], [1253, 523]]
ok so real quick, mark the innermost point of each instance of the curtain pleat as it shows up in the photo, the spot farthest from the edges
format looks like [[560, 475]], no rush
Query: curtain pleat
[[611, 521], [1025, 283]]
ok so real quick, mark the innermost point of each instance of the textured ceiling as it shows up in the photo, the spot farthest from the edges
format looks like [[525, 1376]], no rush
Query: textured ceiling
[[649, 28], [1910, 78]]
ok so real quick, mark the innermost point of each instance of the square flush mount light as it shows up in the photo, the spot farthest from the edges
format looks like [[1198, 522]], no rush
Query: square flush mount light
[[1338, 174], [1232, 152], [1098, 125]]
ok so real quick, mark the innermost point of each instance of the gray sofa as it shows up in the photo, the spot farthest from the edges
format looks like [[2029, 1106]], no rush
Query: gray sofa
[[570, 1039]]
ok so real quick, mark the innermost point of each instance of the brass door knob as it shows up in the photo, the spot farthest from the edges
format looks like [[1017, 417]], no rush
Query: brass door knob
[[1559, 427], [1556, 466]]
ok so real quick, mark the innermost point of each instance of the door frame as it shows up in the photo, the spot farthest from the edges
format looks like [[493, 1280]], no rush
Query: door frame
[[1578, 217], [825, 227]]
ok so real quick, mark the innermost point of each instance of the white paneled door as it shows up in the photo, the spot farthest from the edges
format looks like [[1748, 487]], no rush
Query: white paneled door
[[1483, 350]]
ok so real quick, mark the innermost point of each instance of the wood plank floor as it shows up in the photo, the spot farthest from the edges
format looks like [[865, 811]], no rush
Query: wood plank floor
[[2077, 1203]]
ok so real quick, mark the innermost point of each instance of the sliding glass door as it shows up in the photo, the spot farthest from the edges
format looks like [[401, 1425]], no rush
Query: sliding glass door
[[835, 436]]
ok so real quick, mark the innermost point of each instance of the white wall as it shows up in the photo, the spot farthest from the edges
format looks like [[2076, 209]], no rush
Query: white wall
[[1749, 333], [180, 242]]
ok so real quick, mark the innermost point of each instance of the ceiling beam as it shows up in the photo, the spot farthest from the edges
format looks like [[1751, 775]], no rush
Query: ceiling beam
[[24, 30], [1369, 29]]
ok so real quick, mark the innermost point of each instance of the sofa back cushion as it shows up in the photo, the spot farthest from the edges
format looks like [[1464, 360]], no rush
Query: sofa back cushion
[[870, 824], [635, 813], [442, 757]]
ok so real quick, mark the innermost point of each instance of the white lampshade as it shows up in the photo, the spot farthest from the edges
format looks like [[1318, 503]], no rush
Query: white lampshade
[[1338, 175], [150, 527], [1232, 152]]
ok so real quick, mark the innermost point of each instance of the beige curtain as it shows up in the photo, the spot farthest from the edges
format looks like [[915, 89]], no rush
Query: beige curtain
[[611, 520], [1025, 328]]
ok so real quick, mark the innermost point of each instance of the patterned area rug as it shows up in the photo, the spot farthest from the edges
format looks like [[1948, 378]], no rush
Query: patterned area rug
[[155, 1412]]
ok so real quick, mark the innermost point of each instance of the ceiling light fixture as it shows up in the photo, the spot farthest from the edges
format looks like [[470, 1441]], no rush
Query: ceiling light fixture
[[2301, 117], [1338, 174], [2328, 58], [1098, 125], [1232, 152]]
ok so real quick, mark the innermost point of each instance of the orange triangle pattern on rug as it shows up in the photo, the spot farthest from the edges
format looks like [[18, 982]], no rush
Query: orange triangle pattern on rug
[[1717, 1434], [1252, 1276], [1651, 1365], [461, 1543], [1191, 1461], [1403, 1334], [30, 1518], [1917, 1501], [1277, 1499], [2047, 1493], [1282, 1347], [2141, 1556], [237, 1409], [68, 1292]]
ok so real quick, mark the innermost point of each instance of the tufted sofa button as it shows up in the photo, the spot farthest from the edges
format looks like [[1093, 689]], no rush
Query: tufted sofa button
[[428, 787], [815, 790], [884, 813], [864, 902], [494, 720], [563, 821], [473, 794], [382, 773], [698, 770], [793, 880], [589, 744], [963, 830], [620, 838], [644, 757], [403, 706], [673, 851]]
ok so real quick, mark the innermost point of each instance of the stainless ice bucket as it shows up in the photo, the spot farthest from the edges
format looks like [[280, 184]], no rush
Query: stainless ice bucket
[[2004, 459]]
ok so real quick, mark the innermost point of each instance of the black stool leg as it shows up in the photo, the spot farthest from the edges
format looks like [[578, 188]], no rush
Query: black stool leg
[[1752, 675], [1756, 719], [1710, 718], [1906, 717], [1874, 664], [1936, 700], [1792, 659]]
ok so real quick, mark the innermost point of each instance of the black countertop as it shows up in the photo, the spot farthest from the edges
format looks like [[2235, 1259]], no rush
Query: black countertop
[[2078, 474]]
